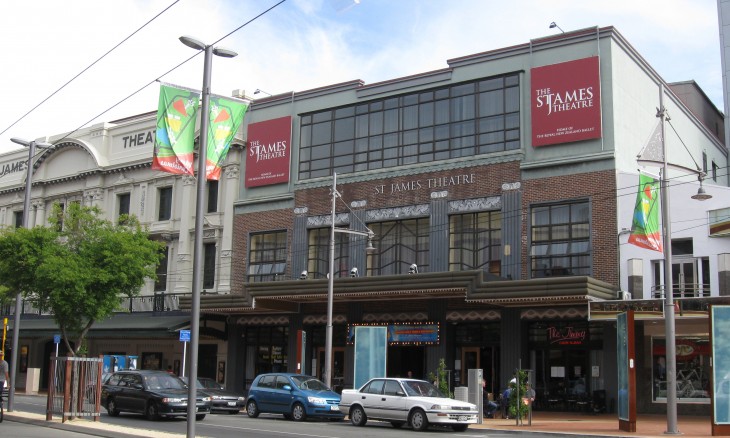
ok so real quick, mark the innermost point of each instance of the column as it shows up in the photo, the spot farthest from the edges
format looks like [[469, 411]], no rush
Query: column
[[635, 278], [723, 273], [225, 263], [40, 213], [184, 266]]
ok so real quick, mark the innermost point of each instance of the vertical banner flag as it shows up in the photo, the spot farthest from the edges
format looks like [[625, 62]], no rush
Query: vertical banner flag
[[225, 117], [175, 134], [645, 224]]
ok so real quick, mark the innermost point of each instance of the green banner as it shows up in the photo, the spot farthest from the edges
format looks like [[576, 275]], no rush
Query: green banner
[[175, 134], [226, 116], [645, 224]]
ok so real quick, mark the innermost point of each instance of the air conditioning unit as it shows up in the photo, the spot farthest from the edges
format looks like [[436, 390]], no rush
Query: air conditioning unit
[[623, 295]]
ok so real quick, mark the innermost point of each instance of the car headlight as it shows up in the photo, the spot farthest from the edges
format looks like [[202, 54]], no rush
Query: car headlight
[[441, 407], [316, 400], [241, 398], [206, 399], [172, 400]]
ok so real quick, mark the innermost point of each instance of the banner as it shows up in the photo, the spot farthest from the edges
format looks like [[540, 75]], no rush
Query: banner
[[225, 117], [645, 231], [267, 157], [175, 134]]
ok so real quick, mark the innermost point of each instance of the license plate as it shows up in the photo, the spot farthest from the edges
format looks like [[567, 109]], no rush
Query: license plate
[[334, 408], [231, 403], [463, 418]]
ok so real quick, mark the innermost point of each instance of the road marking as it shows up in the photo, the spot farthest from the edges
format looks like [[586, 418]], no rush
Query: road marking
[[268, 431]]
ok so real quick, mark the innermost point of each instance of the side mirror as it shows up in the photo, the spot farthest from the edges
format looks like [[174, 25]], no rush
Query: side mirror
[[138, 386], [286, 388]]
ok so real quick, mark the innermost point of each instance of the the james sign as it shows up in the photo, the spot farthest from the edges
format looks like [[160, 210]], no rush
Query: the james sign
[[566, 102], [267, 155]]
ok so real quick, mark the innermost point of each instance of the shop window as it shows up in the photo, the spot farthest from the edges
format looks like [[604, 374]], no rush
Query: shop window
[[560, 240], [399, 245], [267, 256], [318, 256], [475, 241], [693, 369]]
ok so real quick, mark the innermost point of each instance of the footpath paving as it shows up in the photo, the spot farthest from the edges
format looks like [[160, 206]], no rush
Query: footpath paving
[[554, 423]]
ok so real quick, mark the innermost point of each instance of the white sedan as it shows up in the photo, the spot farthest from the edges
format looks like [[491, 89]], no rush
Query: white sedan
[[399, 401]]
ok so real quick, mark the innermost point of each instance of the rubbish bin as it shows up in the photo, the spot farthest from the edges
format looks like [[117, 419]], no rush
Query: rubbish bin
[[461, 393]]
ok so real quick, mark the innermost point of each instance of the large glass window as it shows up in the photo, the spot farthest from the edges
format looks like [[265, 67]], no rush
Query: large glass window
[[560, 239], [267, 256], [461, 120], [399, 244], [475, 241], [318, 259], [693, 369], [165, 205]]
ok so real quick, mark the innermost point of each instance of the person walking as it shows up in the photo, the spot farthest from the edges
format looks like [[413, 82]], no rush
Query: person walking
[[488, 406], [4, 376]]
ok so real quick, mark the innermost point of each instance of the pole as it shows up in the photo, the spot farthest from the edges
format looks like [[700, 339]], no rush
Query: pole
[[185, 351], [671, 358], [330, 292], [19, 297], [198, 245]]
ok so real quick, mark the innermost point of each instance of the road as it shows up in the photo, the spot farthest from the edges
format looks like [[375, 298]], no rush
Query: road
[[265, 426]]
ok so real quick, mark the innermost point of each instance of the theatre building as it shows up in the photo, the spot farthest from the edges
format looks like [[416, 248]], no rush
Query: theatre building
[[495, 190]]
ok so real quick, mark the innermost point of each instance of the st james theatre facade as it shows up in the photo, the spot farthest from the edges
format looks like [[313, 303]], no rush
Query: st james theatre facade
[[490, 187]]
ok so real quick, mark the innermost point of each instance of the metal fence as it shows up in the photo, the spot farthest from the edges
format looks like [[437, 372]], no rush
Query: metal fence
[[74, 388]]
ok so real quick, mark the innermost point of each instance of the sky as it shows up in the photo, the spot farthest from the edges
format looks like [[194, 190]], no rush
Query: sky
[[296, 45]]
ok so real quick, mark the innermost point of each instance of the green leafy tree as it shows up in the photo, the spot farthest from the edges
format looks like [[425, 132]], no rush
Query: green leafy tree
[[441, 378], [80, 268], [516, 403]]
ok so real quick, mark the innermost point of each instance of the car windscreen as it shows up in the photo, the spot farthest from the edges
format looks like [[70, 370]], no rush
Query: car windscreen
[[420, 388], [163, 381], [309, 383]]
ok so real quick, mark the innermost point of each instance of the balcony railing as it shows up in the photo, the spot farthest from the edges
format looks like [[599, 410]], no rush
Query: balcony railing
[[695, 290], [158, 303]]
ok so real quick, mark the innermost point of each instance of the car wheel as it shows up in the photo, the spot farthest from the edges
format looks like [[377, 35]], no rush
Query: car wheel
[[357, 416], [298, 413], [111, 408], [397, 424], [200, 417], [151, 411], [418, 420], [252, 409], [460, 427]]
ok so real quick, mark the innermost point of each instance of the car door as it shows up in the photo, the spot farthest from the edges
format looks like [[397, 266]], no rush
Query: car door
[[264, 392], [136, 395], [393, 401], [281, 398], [371, 398]]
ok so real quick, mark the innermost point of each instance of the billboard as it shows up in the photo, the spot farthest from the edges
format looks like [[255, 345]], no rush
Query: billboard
[[268, 152], [566, 102]]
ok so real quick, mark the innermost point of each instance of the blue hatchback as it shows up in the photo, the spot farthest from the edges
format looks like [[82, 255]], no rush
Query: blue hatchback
[[296, 396]]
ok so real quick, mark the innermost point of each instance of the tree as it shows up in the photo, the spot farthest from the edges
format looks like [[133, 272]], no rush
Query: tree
[[441, 378], [80, 268]]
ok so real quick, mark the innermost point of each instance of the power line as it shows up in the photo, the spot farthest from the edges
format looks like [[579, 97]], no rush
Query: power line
[[89, 66]]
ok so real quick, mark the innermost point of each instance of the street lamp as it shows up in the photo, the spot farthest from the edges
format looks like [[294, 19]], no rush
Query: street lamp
[[31, 145], [669, 325], [199, 212], [331, 280]]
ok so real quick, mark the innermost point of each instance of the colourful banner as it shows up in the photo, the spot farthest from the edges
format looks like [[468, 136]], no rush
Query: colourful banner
[[645, 231], [225, 117], [268, 147], [175, 135]]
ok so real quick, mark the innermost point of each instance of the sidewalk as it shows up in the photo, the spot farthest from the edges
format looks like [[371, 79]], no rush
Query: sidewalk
[[579, 424]]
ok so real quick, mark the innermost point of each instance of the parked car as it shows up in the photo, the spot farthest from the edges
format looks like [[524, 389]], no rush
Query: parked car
[[152, 393], [296, 396], [406, 401], [220, 399]]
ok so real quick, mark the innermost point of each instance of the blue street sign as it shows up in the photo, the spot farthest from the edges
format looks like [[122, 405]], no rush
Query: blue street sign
[[185, 335], [56, 339]]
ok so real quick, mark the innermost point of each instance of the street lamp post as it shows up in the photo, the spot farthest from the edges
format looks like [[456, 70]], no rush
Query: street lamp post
[[331, 280], [31, 145], [199, 212]]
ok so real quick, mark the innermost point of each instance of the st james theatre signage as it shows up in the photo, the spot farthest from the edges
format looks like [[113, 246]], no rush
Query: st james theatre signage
[[566, 102]]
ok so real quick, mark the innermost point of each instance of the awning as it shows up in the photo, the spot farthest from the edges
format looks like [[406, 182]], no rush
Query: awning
[[123, 325]]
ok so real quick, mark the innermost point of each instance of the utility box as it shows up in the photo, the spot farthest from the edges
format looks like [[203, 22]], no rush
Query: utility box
[[32, 380], [461, 393], [474, 378]]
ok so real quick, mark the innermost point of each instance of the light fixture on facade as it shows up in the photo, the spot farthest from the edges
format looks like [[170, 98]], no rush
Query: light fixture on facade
[[353, 272], [304, 275], [259, 90], [413, 269], [701, 194], [553, 25]]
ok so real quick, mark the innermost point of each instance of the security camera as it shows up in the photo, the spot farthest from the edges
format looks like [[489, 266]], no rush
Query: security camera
[[304, 275], [413, 269], [353, 272]]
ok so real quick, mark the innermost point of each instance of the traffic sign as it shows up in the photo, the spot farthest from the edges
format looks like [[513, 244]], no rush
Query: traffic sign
[[185, 335], [56, 339]]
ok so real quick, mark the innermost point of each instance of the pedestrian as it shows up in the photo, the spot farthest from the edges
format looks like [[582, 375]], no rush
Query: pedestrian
[[489, 406], [409, 374], [4, 376], [505, 400]]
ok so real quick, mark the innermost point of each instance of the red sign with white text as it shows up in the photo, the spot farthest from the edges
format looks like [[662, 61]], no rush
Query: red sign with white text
[[566, 102], [268, 151]]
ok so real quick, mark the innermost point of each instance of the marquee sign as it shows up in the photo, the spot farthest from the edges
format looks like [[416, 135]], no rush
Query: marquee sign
[[566, 102]]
